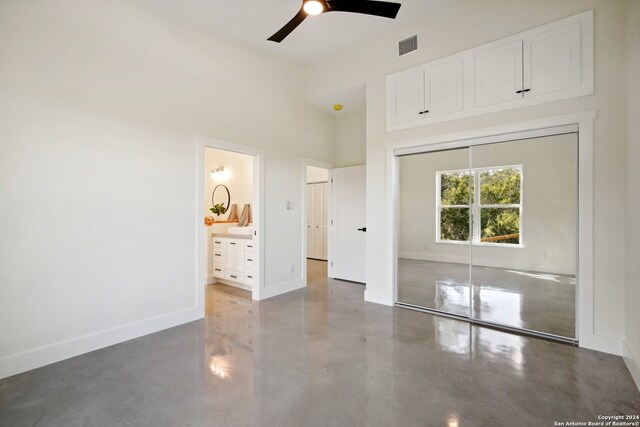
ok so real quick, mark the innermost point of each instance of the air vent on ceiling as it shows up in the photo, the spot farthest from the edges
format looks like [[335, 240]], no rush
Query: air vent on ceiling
[[408, 45]]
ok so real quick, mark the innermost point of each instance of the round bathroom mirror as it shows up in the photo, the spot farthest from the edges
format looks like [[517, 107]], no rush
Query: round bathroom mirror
[[221, 196]]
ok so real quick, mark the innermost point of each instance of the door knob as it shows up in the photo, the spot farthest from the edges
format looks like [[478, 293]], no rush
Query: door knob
[[363, 229]]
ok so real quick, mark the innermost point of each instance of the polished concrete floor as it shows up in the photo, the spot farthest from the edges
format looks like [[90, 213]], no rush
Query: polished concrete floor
[[322, 357], [541, 302]]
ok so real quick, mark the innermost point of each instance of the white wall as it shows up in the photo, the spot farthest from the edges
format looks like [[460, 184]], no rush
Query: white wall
[[549, 217], [351, 139], [237, 177], [100, 104], [632, 341], [455, 26], [315, 174]]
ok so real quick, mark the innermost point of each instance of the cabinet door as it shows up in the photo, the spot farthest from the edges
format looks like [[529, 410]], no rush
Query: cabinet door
[[318, 241], [318, 203], [234, 255], [499, 74], [443, 88], [406, 94], [325, 204], [552, 61], [310, 204], [310, 243]]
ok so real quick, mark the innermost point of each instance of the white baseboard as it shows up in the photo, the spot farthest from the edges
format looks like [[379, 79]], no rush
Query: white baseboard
[[234, 284], [31, 359], [603, 343], [282, 288], [484, 262], [633, 363], [377, 297]]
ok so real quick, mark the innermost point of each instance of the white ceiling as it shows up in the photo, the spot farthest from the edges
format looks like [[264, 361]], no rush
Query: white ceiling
[[251, 22]]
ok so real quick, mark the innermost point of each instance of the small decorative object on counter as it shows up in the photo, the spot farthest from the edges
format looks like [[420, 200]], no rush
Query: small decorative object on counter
[[218, 209], [208, 221]]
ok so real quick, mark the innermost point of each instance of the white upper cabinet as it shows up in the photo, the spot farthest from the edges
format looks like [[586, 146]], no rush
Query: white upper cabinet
[[552, 61], [545, 64], [406, 96], [421, 93], [499, 74], [443, 87]]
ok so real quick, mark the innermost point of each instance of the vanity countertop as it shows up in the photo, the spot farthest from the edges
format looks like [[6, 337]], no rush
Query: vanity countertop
[[233, 236]]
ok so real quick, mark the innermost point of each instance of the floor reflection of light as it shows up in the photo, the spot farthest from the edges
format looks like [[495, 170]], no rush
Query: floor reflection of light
[[570, 280], [500, 306], [219, 367], [502, 347], [452, 335], [452, 297], [452, 421]]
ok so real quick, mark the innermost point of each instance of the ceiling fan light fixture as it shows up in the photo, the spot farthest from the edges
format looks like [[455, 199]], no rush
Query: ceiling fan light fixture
[[313, 7]]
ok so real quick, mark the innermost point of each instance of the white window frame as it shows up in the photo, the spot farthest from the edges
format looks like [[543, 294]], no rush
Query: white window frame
[[475, 207]]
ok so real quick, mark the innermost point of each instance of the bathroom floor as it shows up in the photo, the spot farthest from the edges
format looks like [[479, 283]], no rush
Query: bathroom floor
[[322, 356]]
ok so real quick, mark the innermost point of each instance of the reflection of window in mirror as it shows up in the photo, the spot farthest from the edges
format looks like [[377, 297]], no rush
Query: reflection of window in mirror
[[496, 200]]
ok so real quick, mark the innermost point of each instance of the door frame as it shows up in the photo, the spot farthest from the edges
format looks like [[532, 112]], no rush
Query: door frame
[[257, 211], [303, 212], [582, 122]]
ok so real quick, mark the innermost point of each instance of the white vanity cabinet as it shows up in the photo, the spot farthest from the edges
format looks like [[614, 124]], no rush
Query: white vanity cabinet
[[545, 64], [233, 261]]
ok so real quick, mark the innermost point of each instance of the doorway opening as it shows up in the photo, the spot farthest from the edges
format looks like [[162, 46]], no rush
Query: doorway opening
[[230, 192], [317, 197]]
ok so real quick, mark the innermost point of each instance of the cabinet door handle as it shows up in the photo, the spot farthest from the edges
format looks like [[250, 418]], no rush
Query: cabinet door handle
[[249, 259], [363, 229], [423, 112], [216, 241], [231, 243], [519, 91], [218, 254], [250, 277], [249, 246], [235, 277], [217, 269], [527, 90]]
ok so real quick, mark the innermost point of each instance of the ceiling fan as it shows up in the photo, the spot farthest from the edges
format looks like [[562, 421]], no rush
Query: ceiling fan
[[316, 7]]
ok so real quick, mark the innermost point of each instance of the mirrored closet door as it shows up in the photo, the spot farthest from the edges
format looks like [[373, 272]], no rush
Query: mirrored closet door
[[434, 226], [488, 233], [524, 248]]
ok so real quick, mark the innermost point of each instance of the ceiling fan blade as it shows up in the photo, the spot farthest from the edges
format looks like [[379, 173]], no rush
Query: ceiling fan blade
[[289, 27], [367, 7]]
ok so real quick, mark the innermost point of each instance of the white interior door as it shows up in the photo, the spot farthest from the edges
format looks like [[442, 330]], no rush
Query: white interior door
[[348, 257], [310, 223]]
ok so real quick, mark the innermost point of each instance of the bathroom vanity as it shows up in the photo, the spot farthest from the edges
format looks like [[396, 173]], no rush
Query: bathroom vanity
[[232, 259]]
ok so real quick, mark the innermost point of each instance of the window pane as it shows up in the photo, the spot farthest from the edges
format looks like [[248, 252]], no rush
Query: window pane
[[500, 187], [454, 188], [500, 225], [454, 224]]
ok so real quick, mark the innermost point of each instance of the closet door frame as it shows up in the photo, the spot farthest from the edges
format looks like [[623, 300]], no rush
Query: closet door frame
[[582, 123]]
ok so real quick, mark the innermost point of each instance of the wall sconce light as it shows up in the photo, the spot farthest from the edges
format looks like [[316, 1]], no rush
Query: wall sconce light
[[218, 171]]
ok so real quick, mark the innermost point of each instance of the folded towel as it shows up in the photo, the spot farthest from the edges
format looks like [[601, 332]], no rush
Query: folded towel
[[245, 216], [233, 213]]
